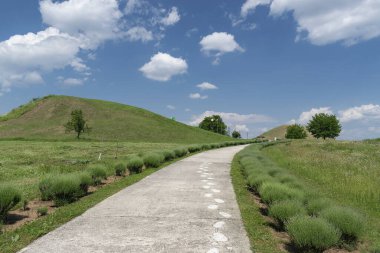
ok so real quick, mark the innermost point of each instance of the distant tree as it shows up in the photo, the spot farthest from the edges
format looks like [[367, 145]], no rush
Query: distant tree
[[324, 126], [295, 131], [214, 124], [77, 123], [236, 135]]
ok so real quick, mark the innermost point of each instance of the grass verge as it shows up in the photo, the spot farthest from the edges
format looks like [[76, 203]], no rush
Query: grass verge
[[259, 235], [15, 240]]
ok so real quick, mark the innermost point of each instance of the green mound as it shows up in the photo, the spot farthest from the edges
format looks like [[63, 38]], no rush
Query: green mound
[[43, 119]]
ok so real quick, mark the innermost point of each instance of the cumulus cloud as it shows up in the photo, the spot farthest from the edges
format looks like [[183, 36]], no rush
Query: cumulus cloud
[[325, 22], [241, 128], [305, 117], [24, 57], [197, 96], [172, 17], [231, 118], [162, 67], [220, 43], [250, 5], [93, 21], [207, 86], [139, 33], [72, 82], [170, 107], [363, 112]]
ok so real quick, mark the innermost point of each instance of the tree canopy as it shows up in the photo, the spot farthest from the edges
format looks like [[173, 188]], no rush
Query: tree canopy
[[77, 123], [236, 134], [214, 124], [324, 126], [295, 131]]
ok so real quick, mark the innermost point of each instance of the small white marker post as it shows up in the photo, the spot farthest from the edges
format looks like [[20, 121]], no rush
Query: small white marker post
[[100, 156]]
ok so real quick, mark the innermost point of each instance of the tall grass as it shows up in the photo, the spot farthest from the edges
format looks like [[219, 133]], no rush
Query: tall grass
[[9, 197]]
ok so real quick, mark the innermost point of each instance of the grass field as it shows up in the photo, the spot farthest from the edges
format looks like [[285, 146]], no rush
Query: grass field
[[347, 172], [44, 119], [24, 163]]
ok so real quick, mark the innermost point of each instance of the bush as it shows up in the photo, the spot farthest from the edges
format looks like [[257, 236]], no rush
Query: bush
[[135, 165], [66, 189], [194, 148], [85, 181], [312, 233], [284, 210], [179, 152], [9, 197], [314, 206], [205, 147], [97, 174], [42, 211], [153, 160], [120, 169], [45, 188], [255, 181], [348, 221], [271, 192], [168, 154]]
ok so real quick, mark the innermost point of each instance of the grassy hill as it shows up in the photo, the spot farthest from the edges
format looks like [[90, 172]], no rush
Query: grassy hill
[[279, 132], [43, 119]]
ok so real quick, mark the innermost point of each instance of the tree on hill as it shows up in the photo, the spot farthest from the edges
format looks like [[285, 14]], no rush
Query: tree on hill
[[214, 124], [324, 126], [77, 123], [236, 135], [295, 131]]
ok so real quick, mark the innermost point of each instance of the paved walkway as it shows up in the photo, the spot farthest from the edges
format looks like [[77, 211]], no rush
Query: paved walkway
[[189, 206]]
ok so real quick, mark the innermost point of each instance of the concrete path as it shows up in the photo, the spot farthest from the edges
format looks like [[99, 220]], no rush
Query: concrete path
[[189, 206]]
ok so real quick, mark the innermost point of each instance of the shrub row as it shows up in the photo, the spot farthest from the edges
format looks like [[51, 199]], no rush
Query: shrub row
[[313, 222], [66, 188]]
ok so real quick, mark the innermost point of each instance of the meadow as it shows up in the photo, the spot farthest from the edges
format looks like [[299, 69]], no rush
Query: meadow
[[345, 171], [24, 163], [322, 194]]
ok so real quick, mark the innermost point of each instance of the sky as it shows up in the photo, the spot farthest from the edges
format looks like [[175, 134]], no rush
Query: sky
[[257, 63]]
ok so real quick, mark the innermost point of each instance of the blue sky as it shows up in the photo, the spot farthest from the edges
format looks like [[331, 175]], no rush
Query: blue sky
[[258, 63]]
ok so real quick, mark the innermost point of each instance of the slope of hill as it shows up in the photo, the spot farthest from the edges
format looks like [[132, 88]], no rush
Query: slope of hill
[[44, 118], [278, 132]]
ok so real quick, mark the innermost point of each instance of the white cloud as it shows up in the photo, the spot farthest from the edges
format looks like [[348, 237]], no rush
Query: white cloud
[[73, 82], [219, 42], [139, 33], [170, 107], [231, 118], [187, 110], [207, 86], [197, 96], [241, 128], [363, 112], [162, 67], [93, 21], [325, 22], [25, 57], [305, 117], [192, 31], [78, 65], [172, 17], [250, 5]]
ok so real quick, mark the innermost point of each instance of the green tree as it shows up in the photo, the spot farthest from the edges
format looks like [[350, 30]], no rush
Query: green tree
[[77, 123], [236, 135], [295, 131], [214, 124], [324, 126]]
